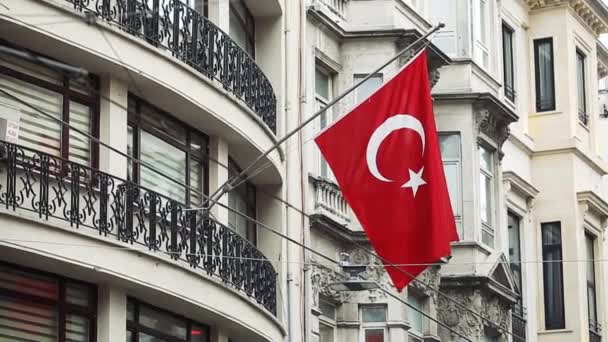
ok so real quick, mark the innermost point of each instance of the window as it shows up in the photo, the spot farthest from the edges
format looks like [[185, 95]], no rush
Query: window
[[450, 155], [146, 323], [178, 151], [581, 92], [486, 195], [368, 87], [591, 292], [42, 307], [242, 26], [545, 78], [323, 90], [327, 321], [72, 101], [553, 282], [415, 318], [482, 31], [507, 60], [242, 199], [373, 323], [513, 222]]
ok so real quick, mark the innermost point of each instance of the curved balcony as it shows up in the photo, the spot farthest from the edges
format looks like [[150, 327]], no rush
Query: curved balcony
[[123, 211], [195, 40]]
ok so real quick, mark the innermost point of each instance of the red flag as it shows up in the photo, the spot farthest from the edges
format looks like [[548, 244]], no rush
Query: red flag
[[385, 156]]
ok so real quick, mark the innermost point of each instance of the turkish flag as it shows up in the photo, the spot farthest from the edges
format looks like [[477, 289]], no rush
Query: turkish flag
[[385, 156]]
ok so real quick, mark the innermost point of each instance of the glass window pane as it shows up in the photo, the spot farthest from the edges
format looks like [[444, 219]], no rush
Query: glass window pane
[[321, 84], [580, 84], [552, 276], [80, 145], [485, 159], [453, 181], [22, 320], [368, 87], [148, 338], [31, 69], [27, 283], [545, 88], [36, 131], [163, 126], [169, 160], [129, 336], [509, 79], [450, 146], [160, 321], [485, 198], [130, 311], [515, 248], [77, 328], [415, 318], [589, 243], [198, 333], [196, 182], [131, 153], [328, 309], [326, 333], [373, 314], [78, 295], [483, 20], [374, 335], [487, 237]]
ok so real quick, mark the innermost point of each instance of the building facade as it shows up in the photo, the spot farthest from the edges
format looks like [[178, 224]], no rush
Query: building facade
[[99, 172]]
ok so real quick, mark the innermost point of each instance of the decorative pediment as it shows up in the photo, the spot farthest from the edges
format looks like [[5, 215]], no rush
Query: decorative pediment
[[592, 12], [593, 204], [502, 279]]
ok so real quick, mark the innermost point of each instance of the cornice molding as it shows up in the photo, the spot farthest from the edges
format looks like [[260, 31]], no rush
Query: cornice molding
[[602, 59], [592, 12], [519, 185], [593, 203]]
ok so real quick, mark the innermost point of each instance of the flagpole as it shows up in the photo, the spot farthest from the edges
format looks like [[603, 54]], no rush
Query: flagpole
[[225, 187]]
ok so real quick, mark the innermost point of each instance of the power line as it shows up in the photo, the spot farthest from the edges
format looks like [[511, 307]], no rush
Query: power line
[[251, 219]]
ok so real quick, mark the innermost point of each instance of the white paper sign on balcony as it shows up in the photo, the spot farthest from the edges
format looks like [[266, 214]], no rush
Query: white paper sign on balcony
[[9, 123]]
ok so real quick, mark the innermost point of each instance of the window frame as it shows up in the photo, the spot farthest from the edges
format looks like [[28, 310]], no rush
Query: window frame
[[68, 95], [361, 76], [594, 324], [63, 308], [251, 202], [581, 61], [519, 306], [561, 322], [135, 327], [458, 162], [373, 325], [488, 227], [136, 122], [325, 117], [326, 320], [509, 90], [243, 22], [537, 81], [425, 308]]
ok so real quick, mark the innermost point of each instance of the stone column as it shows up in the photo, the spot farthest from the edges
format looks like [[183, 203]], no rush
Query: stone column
[[113, 125], [111, 314], [218, 174]]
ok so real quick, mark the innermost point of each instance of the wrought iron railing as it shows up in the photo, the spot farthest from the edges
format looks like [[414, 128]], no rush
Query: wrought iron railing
[[194, 39], [595, 331], [329, 200], [124, 211], [518, 321]]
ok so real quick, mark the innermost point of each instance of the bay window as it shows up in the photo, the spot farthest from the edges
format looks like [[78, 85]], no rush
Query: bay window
[[544, 74], [171, 147], [37, 306], [553, 281], [483, 27], [242, 26], [146, 323], [486, 195], [323, 89], [373, 323], [73, 101], [242, 199], [451, 158], [416, 320]]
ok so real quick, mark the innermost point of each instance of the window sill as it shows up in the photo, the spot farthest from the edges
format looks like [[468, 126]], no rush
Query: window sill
[[484, 248], [549, 112], [583, 125], [556, 331]]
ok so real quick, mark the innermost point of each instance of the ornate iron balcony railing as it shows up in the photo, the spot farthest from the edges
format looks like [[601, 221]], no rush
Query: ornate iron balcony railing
[[595, 331], [194, 39], [121, 210]]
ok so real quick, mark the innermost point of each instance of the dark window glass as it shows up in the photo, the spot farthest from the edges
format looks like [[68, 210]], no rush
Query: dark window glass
[[242, 199], [553, 282], [146, 323], [591, 289], [581, 92], [509, 71], [44, 307], [242, 26], [176, 150], [71, 101], [545, 78]]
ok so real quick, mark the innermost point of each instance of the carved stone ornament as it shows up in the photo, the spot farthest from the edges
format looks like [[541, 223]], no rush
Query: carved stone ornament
[[431, 278], [321, 277], [491, 125], [401, 44], [464, 321]]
